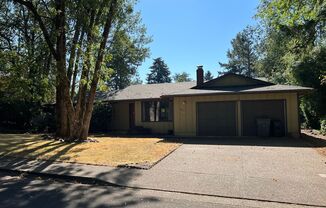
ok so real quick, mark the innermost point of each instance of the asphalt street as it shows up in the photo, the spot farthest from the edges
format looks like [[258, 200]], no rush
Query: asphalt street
[[24, 190]]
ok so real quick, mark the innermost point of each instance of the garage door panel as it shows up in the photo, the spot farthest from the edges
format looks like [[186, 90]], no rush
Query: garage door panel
[[216, 119], [252, 110]]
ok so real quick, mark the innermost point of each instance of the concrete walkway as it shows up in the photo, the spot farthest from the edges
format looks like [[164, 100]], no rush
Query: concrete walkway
[[280, 170]]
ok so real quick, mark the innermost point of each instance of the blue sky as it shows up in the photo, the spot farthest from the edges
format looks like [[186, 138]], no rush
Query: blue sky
[[187, 33]]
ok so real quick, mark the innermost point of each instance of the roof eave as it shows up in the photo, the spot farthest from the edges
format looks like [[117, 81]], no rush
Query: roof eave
[[300, 92]]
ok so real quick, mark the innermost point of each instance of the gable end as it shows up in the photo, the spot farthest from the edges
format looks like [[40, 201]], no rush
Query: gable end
[[232, 80]]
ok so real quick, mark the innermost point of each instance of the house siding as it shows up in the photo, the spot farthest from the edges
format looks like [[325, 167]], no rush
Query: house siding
[[120, 119], [185, 112], [156, 127]]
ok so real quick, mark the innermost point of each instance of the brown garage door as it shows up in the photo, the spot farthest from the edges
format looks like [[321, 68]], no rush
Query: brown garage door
[[216, 119], [252, 110]]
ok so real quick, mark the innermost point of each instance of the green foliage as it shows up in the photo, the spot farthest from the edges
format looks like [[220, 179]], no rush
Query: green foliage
[[294, 12], [25, 61], [302, 20], [136, 80], [101, 118], [129, 48], [36, 118], [43, 119], [208, 76], [323, 126], [159, 73], [293, 50], [243, 56], [181, 77], [65, 50], [25, 116], [309, 71], [128, 53]]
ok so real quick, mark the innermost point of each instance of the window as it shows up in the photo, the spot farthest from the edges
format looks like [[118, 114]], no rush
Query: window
[[158, 110]]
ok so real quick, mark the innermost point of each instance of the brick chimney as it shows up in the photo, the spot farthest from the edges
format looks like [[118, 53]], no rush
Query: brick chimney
[[200, 75]]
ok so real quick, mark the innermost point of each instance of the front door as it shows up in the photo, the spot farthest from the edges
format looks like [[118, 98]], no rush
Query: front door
[[131, 115]]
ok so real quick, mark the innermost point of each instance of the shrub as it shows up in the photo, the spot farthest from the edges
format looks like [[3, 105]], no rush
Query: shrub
[[16, 117], [101, 118], [44, 119], [19, 117], [323, 126]]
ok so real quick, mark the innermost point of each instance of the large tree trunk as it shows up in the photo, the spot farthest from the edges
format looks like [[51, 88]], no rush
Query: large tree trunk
[[61, 114], [64, 104], [73, 122], [91, 97], [61, 110]]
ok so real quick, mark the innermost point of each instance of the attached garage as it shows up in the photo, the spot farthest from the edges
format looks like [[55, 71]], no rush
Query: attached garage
[[229, 105], [251, 110], [216, 118]]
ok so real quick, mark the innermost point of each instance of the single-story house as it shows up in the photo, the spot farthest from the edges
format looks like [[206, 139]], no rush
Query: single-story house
[[229, 105]]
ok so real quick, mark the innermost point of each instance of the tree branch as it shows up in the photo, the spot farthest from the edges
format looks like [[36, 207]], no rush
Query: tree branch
[[32, 8]]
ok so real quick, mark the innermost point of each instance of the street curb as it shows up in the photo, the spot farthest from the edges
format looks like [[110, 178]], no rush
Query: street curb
[[95, 181]]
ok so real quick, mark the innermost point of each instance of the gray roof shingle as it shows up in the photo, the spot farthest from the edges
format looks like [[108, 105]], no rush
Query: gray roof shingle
[[155, 91], [220, 85], [238, 90], [145, 91]]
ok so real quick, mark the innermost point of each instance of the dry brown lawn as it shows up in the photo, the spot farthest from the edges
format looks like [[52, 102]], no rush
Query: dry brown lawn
[[111, 151]]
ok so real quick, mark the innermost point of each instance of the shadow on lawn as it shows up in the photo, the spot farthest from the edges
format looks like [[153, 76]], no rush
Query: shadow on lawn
[[27, 192], [21, 146]]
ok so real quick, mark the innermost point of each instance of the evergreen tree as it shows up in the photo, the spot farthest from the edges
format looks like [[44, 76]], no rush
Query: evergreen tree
[[159, 73], [208, 76], [242, 56]]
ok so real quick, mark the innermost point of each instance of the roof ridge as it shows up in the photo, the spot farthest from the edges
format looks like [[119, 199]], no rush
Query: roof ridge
[[162, 83]]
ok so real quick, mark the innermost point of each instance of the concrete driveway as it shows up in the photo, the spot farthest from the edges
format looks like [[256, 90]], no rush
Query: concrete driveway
[[272, 169], [285, 171]]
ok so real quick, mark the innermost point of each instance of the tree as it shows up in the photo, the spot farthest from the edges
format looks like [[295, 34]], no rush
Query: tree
[[77, 34], [128, 50], [242, 57], [208, 76], [159, 73], [294, 50], [303, 21], [181, 77], [25, 61], [272, 62], [136, 79], [26, 66]]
